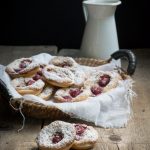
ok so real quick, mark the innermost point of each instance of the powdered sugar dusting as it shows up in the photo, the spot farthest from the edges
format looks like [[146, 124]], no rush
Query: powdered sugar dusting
[[44, 138], [48, 90], [61, 93], [95, 77], [58, 74], [66, 62], [90, 134], [15, 65], [80, 76], [21, 84]]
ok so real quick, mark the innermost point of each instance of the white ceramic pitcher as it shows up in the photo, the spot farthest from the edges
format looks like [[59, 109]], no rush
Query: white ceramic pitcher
[[100, 35]]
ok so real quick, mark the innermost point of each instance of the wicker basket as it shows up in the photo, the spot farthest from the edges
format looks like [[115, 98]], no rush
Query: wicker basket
[[41, 111]]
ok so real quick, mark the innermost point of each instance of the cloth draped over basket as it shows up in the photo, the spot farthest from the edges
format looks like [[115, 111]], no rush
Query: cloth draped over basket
[[110, 109]]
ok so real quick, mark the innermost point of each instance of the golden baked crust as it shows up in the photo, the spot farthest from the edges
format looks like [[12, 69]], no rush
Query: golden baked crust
[[34, 92], [27, 74]]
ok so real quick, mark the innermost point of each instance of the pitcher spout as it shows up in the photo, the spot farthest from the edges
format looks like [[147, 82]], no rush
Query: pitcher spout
[[104, 7]]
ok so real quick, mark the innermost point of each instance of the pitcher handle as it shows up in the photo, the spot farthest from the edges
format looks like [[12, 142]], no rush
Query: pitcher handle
[[130, 57]]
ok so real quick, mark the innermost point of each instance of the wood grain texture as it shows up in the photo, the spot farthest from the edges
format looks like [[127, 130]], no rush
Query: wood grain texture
[[11, 139], [10, 53], [135, 136]]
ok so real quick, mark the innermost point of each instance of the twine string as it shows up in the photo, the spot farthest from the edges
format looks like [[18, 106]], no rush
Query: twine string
[[20, 110]]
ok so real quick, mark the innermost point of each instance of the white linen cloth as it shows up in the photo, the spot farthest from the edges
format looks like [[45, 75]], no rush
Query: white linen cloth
[[110, 109]]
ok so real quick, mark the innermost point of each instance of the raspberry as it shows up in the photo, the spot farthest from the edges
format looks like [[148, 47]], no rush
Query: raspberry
[[23, 65], [36, 77], [17, 70], [39, 73], [57, 137], [96, 90], [30, 82], [104, 80], [74, 92], [67, 98], [80, 128]]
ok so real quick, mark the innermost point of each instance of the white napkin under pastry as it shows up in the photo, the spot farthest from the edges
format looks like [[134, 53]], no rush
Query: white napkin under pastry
[[110, 109]]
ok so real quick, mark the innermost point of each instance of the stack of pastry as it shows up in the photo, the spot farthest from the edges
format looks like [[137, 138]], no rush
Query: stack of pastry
[[61, 135], [62, 80]]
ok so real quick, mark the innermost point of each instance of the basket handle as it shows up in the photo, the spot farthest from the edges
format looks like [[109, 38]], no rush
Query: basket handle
[[4, 91], [130, 57]]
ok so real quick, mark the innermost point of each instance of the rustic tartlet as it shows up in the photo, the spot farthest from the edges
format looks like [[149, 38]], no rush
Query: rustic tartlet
[[27, 85], [24, 67], [58, 135]]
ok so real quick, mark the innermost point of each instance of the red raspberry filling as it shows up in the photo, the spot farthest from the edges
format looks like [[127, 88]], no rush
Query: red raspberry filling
[[17, 70], [39, 73], [96, 90], [40, 70], [48, 69], [30, 82], [75, 92], [24, 63], [67, 98], [57, 137], [42, 66], [36, 77], [80, 128], [104, 80]]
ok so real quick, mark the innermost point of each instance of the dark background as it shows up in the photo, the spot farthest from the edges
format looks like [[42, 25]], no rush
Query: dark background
[[61, 23]]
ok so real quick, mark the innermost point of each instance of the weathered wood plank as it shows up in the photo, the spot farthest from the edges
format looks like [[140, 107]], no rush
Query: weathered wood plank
[[11, 139], [105, 146], [10, 53], [69, 52], [132, 146]]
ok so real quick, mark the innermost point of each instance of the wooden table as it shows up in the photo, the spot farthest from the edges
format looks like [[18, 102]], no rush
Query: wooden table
[[136, 136]]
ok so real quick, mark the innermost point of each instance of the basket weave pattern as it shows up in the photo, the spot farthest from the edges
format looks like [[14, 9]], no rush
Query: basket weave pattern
[[41, 111]]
